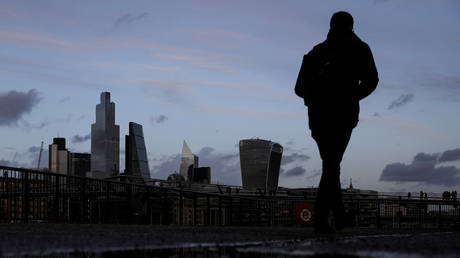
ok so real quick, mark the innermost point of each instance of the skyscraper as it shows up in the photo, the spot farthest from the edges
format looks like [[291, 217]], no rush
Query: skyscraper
[[188, 160], [260, 163], [79, 164], [105, 140], [58, 157], [136, 162]]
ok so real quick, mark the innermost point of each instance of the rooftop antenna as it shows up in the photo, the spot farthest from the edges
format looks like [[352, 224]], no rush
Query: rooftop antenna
[[40, 156]]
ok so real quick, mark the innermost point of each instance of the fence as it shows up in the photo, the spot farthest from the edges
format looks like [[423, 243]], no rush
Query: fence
[[33, 196]]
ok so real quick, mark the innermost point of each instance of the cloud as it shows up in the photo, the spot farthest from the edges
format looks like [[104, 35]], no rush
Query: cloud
[[78, 139], [129, 18], [8, 163], [297, 171], [159, 119], [290, 159], [450, 155], [14, 104], [287, 159], [33, 149], [424, 169], [402, 100]]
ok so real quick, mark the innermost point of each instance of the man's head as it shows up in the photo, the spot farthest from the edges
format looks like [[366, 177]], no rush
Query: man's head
[[342, 21]]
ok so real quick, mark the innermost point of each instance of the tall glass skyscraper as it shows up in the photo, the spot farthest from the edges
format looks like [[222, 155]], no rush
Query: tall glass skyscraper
[[260, 162], [188, 161], [105, 140], [136, 162]]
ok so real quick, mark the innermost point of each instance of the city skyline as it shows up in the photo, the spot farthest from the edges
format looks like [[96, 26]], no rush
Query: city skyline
[[226, 72]]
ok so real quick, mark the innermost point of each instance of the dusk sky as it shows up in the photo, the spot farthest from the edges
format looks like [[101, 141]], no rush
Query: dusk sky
[[215, 72]]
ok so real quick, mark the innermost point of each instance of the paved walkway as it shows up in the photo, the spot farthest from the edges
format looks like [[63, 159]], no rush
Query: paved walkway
[[47, 239]]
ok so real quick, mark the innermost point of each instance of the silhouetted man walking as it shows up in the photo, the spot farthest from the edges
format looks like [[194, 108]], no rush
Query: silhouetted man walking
[[335, 75]]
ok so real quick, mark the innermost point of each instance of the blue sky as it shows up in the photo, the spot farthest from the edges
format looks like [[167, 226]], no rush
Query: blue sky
[[215, 72]]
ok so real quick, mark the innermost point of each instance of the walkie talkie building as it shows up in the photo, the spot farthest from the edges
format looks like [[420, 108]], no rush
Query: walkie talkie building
[[260, 163]]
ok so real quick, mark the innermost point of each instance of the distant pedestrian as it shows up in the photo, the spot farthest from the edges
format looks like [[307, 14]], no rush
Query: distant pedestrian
[[335, 75]]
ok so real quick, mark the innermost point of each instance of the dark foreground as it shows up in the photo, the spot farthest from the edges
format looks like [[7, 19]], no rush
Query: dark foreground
[[56, 240]]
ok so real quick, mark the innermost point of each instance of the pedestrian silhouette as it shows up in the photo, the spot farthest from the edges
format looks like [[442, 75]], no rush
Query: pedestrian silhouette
[[335, 75]]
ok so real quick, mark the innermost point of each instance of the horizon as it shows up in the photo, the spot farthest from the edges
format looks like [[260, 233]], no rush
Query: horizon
[[215, 73]]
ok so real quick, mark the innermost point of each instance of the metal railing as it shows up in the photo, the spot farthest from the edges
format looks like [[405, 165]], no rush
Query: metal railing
[[34, 196]]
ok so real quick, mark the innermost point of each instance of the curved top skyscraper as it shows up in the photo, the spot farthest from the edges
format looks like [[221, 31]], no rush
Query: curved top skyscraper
[[105, 140], [260, 163]]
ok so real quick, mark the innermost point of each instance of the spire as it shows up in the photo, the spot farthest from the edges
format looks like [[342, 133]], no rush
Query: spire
[[351, 183], [186, 150]]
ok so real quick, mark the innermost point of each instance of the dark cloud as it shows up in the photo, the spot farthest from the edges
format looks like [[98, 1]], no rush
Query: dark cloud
[[78, 139], [166, 167], [450, 155], [14, 104], [33, 149], [296, 171], [423, 169], [159, 119], [287, 159], [129, 18], [402, 100], [8, 163]]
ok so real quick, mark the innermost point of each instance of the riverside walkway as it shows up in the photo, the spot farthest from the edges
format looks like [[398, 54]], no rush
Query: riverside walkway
[[76, 240]]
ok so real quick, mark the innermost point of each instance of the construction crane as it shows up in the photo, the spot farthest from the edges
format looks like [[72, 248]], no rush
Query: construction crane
[[40, 156]]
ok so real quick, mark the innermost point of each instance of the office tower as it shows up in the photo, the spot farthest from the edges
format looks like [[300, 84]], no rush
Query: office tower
[[105, 140], [188, 160], [260, 163], [58, 157], [80, 163], [200, 175], [136, 162]]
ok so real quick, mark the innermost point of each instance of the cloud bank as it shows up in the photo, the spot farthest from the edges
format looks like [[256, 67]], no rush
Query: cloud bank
[[402, 100], [14, 104], [78, 139], [129, 18], [425, 168]]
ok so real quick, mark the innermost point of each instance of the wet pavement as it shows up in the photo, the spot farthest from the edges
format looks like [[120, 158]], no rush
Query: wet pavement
[[64, 240]]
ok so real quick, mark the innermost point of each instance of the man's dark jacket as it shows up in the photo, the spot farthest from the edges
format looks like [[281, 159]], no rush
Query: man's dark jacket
[[335, 75]]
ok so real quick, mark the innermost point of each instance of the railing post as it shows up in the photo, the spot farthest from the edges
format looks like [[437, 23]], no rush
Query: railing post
[[230, 209], [439, 216], [164, 209], [56, 198], [208, 211], [399, 213], [240, 213], [378, 214], [220, 211], [83, 201], [181, 208], [25, 190], [271, 212], [195, 213], [107, 206], [420, 225]]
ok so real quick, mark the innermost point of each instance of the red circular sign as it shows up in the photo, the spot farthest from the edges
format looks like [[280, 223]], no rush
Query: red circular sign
[[304, 214]]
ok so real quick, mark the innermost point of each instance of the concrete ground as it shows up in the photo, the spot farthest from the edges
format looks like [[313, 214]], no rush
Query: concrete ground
[[96, 240]]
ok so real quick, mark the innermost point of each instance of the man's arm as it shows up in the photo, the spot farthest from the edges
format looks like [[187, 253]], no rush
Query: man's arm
[[304, 78], [301, 78], [369, 77]]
